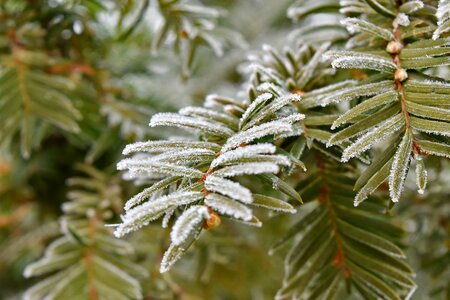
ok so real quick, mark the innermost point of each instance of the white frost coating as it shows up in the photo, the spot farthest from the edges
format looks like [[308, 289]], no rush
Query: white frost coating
[[365, 61], [270, 87], [190, 123], [167, 217], [184, 156], [256, 132], [170, 257], [292, 118], [421, 174], [401, 20], [443, 16], [431, 83], [443, 10], [311, 67], [226, 206], [259, 100], [333, 87], [277, 104], [243, 152], [412, 6], [140, 166], [141, 215], [228, 188], [247, 169], [368, 104], [189, 221], [207, 113], [354, 25], [400, 166], [271, 74], [349, 93], [375, 135], [214, 99], [162, 146]]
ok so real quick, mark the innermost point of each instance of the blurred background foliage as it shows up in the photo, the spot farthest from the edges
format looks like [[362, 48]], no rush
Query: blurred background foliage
[[103, 68]]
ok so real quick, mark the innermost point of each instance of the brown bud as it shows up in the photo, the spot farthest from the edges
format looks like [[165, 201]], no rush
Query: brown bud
[[394, 47], [298, 92], [184, 34], [213, 220], [400, 75]]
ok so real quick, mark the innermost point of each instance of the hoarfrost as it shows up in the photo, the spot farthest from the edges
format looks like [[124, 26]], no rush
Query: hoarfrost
[[228, 188], [229, 207], [188, 222]]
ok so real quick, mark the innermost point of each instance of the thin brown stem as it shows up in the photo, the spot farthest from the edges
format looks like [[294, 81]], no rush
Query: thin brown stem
[[324, 199]]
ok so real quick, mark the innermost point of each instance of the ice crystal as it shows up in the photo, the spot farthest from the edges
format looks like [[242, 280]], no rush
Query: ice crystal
[[190, 123], [227, 206], [243, 152], [189, 221], [141, 215], [400, 166], [247, 168], [354, 25], [208, 113], [228, 188], [256, 132], [255, 104], [373, 136], [141, 166], [401, 20]]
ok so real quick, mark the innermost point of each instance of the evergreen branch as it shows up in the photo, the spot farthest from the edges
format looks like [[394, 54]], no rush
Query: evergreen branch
[[335, 244], [86, 260], [197, 170], [404, 55]]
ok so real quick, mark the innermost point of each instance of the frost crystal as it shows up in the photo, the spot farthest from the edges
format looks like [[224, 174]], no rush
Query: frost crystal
[[361, 61], [256, 103], [187, 223], [228, 188], [400, 166], [214, 100], [140, 166], [270, 87], [443, 16], [421, 174], [354, 25], [272, 108], [333, 87], [190, 123], [243, 152], [271, 74], [375, 135], [208, 113], [401, 20], [246, 169], [227, 206], [141, 215], [184, 156], [292, 118], [256, 132], [376, 101], [171, 256], [349, 93], [167, 216]]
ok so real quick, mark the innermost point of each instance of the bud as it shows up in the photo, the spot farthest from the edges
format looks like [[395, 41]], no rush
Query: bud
[[213, 220], [394, 47], [400, 75]]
